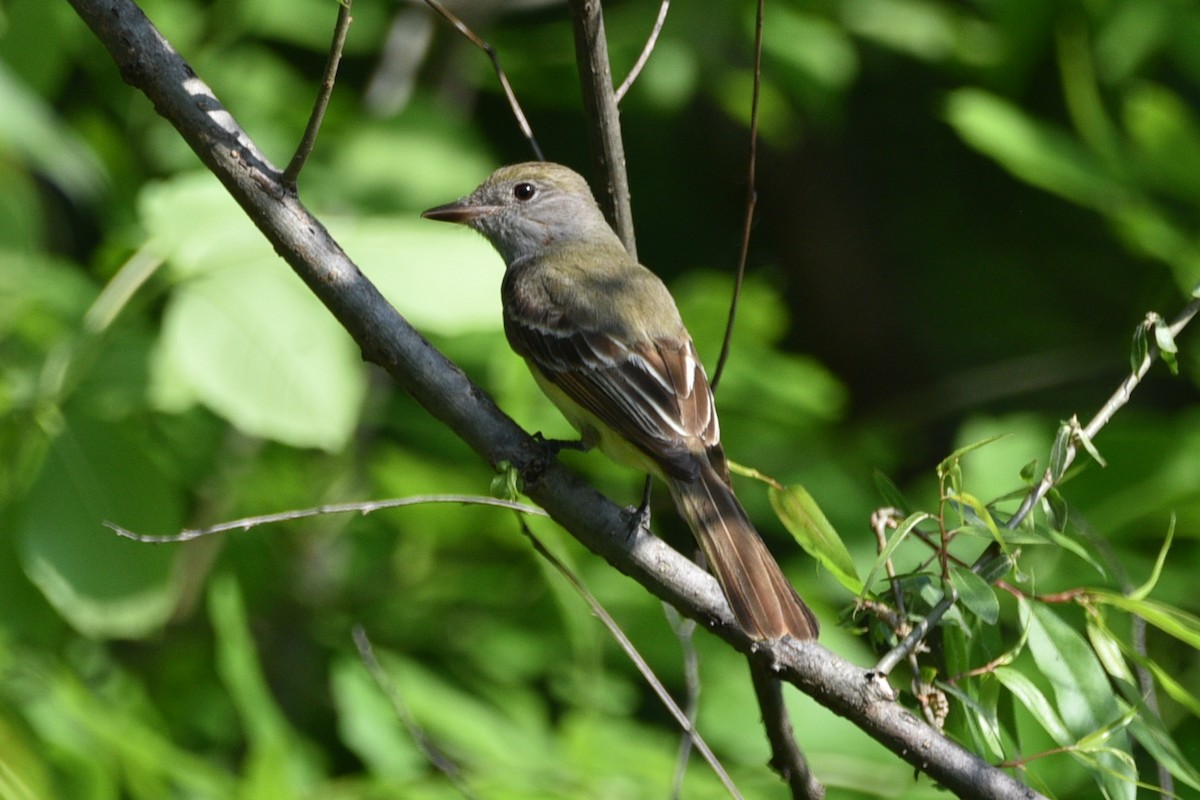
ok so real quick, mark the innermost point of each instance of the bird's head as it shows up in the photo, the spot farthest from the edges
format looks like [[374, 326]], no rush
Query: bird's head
[[524, 208]]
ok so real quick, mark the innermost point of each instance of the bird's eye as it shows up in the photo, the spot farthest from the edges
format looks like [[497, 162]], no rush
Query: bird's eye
[[524, 191]]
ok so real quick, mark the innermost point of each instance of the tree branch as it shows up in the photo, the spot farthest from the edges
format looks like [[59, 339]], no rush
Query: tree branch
[[147, 62], [309, 140], [604, 125], [787, 758]]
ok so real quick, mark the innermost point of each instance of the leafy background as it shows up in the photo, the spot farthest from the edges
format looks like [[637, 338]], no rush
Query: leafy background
[[965, 210]]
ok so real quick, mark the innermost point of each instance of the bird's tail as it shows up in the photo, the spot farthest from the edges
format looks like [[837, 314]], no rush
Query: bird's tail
[[763, 601]]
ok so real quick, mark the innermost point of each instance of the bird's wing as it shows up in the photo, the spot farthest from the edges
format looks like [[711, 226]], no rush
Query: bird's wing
[[652, 392]]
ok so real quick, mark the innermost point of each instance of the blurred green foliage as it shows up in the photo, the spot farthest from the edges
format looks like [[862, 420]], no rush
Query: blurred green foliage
[[965, 209]]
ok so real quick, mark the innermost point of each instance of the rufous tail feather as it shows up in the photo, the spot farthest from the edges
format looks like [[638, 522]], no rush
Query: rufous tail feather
[[763, 600]]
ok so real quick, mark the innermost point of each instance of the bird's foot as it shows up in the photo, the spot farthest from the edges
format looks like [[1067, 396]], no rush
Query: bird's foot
[[639, 518], [556, 446]]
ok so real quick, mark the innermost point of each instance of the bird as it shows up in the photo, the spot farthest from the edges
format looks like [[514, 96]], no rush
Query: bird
[[604, 340]]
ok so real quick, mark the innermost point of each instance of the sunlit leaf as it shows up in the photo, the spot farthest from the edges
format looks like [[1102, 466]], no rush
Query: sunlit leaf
[[30, 127], [804, 519], [1169, 619], [1036, 702], [241, 333], [443, 278], [1037, 153], [1143, 591], [1165, 340], [370, 725]]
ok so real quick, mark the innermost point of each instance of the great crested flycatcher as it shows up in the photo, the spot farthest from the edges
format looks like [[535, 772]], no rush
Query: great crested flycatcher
[[605, 342]]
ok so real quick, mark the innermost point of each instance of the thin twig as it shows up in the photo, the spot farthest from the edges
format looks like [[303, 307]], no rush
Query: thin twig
[[433, 754], [635, 657], [751, 198], [482, 44], [787, 758], [364, 508], [685, 630], [309, 140], [604, 123], [1104, 415], [991, 558], [619, 95]]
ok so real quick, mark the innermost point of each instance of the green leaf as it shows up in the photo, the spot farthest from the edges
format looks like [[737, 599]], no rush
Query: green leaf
[[808, 525], [1165, 340], [1035, 701], [812, 47], [1108, 650], [242, 334], [981, 719], [1174, 689], [975, 594], [104, 735], [1083, 440], [30, 127], [278, 762], [1039, 154], [951, 461], [1176, 622], [1082, 692], [1140, 348], [1151, 734], [1059, 450], [369, 725], [443, 278], [103, 585], [1080, 684], [1079, 549], [1143, 591], [898, 536]]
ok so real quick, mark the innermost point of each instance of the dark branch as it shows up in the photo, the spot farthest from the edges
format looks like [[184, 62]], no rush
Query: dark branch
[[787, 758], [604, 125], [309, 140]]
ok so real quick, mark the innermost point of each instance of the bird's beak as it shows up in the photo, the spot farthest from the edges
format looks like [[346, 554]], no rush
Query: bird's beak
[[461, 211]]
